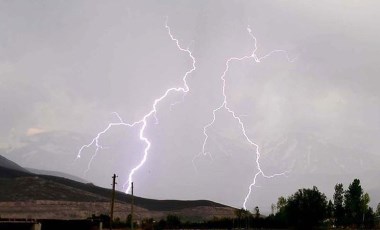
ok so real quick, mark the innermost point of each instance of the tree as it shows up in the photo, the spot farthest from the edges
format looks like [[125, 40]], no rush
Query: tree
[[129, 219], [369, 221], [354, 203], [257, 212], [330, 210], [364, 205], [330, 214], [306, 208], [242, 214], [377, 214], [147, 224], [173, 221], [239, 214], [273, 209], [281, 203], [338, 205], [280, 217]]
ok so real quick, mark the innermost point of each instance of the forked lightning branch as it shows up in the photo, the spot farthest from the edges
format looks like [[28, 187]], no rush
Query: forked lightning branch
[[184, 89]]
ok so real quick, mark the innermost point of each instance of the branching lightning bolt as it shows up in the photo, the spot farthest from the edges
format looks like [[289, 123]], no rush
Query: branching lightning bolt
[[143, 122], [224, 106]]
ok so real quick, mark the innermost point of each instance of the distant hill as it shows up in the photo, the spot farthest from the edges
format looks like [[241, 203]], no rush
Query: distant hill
[[9, 169], [57, 174], [24, 194], [5, 163]]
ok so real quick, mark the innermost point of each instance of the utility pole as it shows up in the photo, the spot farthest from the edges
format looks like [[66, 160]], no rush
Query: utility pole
[[132, 206], [112, 199]]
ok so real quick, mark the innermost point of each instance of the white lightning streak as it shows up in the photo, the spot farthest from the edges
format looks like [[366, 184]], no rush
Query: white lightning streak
[[225, 106], [143, 121]]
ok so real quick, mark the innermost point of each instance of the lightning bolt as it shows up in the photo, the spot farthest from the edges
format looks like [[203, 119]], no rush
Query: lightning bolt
[[224, 106], [143, 122]]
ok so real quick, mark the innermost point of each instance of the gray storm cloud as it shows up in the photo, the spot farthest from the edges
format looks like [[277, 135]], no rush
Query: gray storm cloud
[[65, 66]]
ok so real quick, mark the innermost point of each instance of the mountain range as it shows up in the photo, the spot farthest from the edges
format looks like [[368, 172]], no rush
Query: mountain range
[[310, 159], [31, 194]]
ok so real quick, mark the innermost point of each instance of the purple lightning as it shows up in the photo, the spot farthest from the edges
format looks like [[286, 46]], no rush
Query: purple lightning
[[224, 105], [143, 121]]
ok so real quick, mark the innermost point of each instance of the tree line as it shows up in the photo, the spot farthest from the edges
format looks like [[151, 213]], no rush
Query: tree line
[[307, 208]]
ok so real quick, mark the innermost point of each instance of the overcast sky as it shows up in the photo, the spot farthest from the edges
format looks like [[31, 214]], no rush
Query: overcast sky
[[65, 66]]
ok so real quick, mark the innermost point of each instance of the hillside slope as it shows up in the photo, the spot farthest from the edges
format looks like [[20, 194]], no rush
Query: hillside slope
[[57, 174], [24, 194], [7, 164]]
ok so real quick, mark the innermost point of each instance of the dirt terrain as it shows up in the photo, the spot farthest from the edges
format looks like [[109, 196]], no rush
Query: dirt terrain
[[44, 209]]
